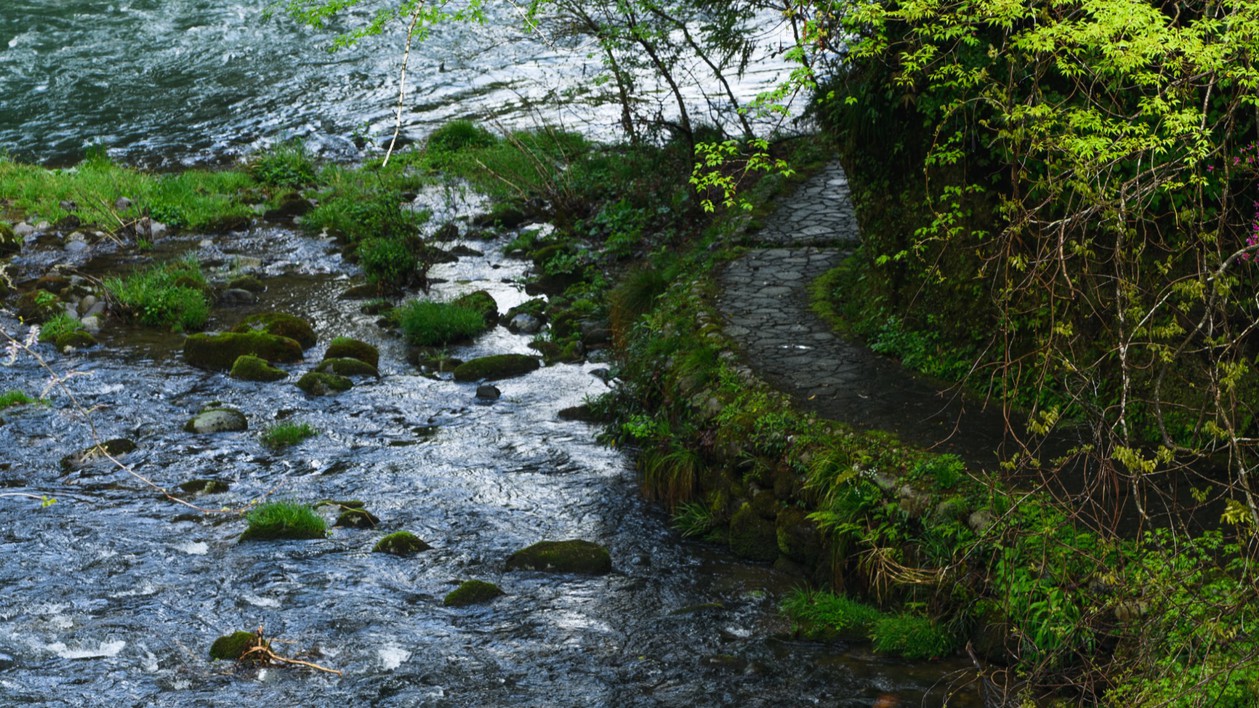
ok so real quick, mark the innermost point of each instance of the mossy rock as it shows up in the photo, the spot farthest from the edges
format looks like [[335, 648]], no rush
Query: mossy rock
[[218, 352], [315, 383], [247, 282], [574, 556], [798, 538], [217, 420], [254, 368], [498, 366], [112, 448], [234, 646], [78, 339], [480, 301], [472, 592], [347, 367], [753, 537], [401, 543], [534, 308], [38, 306], [357, 519], [347, 348], [281, 324], [9, 241], [204, 486]]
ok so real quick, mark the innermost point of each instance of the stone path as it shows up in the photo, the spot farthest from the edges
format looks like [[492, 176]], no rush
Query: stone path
[[765, 305]]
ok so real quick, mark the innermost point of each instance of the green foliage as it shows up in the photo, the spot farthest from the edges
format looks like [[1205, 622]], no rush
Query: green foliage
[[827, 616], [945, 470], [670, 475], [428, 323], [693, 519], [168, 295], [58, 325], [454, 137], [283, 519], [387, 261], [286, 434], [911, 637], [358, 204], [14, 397], [285, 164]]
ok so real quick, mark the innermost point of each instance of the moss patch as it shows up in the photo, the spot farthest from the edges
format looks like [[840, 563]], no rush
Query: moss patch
[[401, 543], [481, 302], [472, 592], [219, 352], [315, 383], [498, 366], [575, 556], [234, 646], [357, 519], [348, 348], [254, 368], [347, 367], [280, 324]]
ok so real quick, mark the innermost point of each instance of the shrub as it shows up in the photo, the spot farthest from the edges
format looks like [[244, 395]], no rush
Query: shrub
[[458, 135], [386, 261], [285, 434], [167, 295], [284, 165], [283, 520], [59, 325], [428, 323]]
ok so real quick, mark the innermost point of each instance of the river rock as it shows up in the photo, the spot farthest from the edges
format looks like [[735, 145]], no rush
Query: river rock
[[233, 297], [250, 283], [218, 352], [357, 519], [122, 204], [78, 339], [92, 323], [525, 323], [347, 367], [315, 383], [204, 486], [235, 646], [482, 302], [401, 543], [498, 366], [253, 368], [574, 556], [472, 592], [753, 537], [23, 230], [112, 448], [348, 348], [217, 420], [488, 392], [281, 324]]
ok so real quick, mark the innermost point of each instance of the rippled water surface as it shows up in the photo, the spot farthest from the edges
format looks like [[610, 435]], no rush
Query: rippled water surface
[[164, 82]]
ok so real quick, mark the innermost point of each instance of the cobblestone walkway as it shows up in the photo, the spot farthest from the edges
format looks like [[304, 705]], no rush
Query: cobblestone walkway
[[765, 305]]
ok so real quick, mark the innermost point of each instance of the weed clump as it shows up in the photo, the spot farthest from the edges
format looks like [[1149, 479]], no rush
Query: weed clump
[[286, 434], [287, 165], [427, 323], [169, 295], [13, 397], [289, 520]]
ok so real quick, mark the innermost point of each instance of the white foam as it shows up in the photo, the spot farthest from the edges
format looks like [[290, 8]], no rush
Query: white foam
[[106, 650], [393, 657]]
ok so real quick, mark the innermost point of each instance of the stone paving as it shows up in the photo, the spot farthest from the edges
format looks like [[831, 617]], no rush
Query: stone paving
[[766, 310]]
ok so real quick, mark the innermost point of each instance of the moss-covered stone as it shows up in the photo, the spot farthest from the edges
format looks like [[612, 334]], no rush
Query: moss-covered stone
[[281, 324], [480, 301], [315, 383], [472, 592], [401, 543], [218, 352], [217, 420], [357, 519], [498, 366], [574, 556], [234, 646], [109, 448], [9, 241], [348, 348], [254, 368], [77, 339], [247, 282], [752, 536], [534, 308], [798, 538], [347, 367], [37, 306], [204, 486]]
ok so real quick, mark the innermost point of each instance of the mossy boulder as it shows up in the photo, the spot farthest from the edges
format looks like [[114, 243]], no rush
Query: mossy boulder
[[472, 592], [281, 324], [574, 556], [254, 368], [247, 282], [752, 536], [347, 367], [497, 366], [78, 339], [38, 306], [798, 538], [357, 519], [217, 420], [219, 352], [235, 646], [315, 383], [480, 301], [204, 486], [348, 348], [401, 543]]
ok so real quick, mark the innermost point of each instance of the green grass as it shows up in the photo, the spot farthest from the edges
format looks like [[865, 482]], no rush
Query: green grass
[[194, 199], [824, 615], [59, 324], [428, 323], [387, 261], [286, 165], [283, 520], [286, 434], [13, 397], [911, 637], [166, 295], [358, 204]]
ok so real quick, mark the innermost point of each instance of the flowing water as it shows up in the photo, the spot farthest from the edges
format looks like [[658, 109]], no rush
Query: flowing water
[[112, 595]]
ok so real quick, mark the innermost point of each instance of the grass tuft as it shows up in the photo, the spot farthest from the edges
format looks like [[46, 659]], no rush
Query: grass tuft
[[275, 520], [286, 434], [168, 295], [427, 323], [13, 397]]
